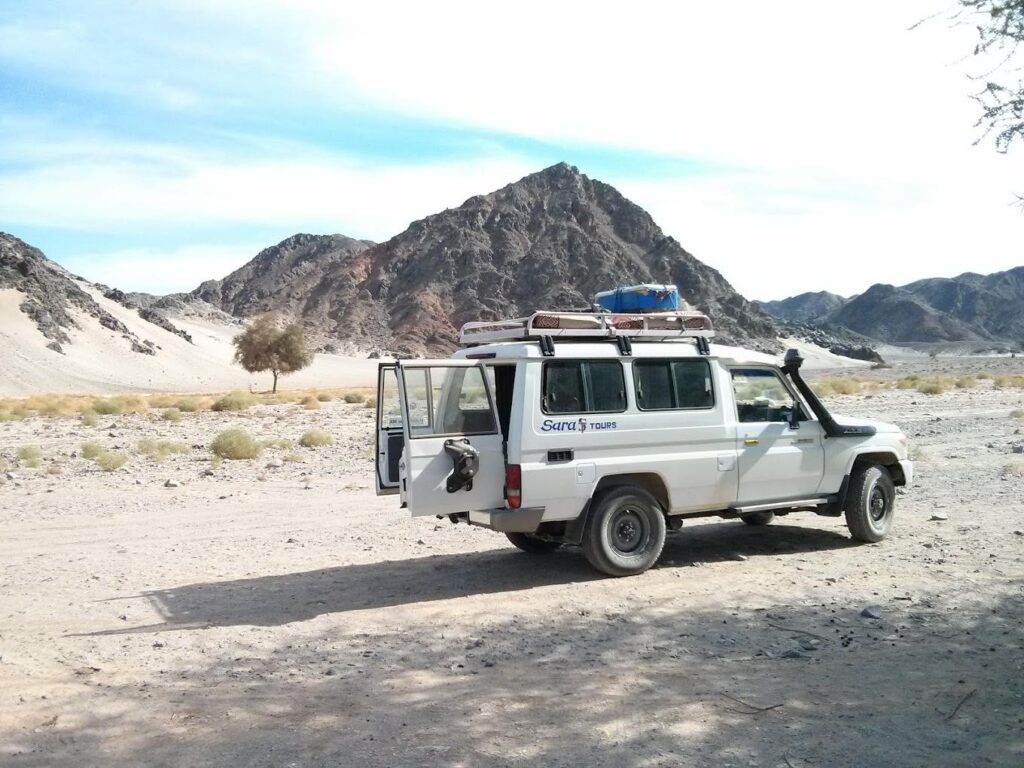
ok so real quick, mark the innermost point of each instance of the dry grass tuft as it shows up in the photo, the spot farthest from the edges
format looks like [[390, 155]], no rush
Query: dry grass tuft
[[283, 444], [314, 438], [29, 455], [294, 458], [188, 404], [1017, 413], [110, 461], [1013, 469], [158, 450], [172, 415], [323, 397], [89, 418], [371, 402], [1006, 382], [966, 382], [310, 403], [355, 397], [90, 450], [237, 400], [236, 444], [935, 386]]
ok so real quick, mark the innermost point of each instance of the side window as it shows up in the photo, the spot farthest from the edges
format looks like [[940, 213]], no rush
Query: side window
[[390, 408], [761, 395], [673, 384], [584, 386]]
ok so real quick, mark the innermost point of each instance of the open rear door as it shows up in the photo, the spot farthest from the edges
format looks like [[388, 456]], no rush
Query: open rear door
[[390, 438], [448, 415]]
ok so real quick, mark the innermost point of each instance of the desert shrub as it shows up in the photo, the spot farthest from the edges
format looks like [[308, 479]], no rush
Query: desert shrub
[[1017, 413], [235, 401], [354, 397], [371, 402], [983, 375], [162, 401], [907, 382], [1005, 382], [315, 437], [110, 461], [323, 397], [171, 414], [282, 443], [966, 382], [310, 403], [89, 418], [106, 406], [160, 449], [90, 450], [236, 443], [187, 404], [295, 458], [29, 455], [1013, 469], [932, 386]]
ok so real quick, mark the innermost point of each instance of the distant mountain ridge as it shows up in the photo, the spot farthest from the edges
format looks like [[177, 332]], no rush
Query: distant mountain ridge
[[549, 240], [969, 307]]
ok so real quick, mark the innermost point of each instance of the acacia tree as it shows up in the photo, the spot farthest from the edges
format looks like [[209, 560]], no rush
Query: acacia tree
[[1000, 27], [267, 346]]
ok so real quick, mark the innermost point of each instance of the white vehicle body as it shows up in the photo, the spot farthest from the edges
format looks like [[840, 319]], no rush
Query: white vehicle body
[[705, 430]]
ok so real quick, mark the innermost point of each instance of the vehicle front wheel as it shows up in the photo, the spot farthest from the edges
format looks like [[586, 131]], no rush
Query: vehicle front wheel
[[532, 544], [758, 518], [625, 532], [870, 503]]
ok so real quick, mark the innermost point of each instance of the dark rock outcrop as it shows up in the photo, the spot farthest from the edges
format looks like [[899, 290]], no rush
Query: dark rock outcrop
[[804, 307], [550, 240]]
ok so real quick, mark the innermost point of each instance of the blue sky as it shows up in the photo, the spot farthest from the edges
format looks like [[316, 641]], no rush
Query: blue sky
[[155, 145]]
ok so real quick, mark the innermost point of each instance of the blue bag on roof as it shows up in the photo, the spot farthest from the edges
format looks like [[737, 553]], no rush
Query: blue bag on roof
[[639, 298]]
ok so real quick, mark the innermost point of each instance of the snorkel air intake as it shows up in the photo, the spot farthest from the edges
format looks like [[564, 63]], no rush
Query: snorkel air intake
[[791, 367]]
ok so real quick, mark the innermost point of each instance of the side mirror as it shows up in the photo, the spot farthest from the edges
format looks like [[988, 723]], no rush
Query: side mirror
[[465, 465]]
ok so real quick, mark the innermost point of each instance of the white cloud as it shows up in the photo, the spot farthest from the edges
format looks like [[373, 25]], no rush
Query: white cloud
[[850, 135]]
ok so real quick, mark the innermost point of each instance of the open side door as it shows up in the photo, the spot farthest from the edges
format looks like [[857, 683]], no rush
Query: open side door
[[390, 438], [449, 421]]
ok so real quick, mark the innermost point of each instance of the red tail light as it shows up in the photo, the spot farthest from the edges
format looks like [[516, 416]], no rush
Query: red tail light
[[514, 486]]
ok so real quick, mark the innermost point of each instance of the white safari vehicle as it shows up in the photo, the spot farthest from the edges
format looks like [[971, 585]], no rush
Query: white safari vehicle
[[605, 430]]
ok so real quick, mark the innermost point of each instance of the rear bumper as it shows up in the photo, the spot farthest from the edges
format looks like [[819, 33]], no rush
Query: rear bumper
[[525, 520], [908, 472]]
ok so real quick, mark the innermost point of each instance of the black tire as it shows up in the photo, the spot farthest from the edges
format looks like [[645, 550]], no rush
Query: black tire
[[530, 543], [625, 531], [758, 518], [870, 503]]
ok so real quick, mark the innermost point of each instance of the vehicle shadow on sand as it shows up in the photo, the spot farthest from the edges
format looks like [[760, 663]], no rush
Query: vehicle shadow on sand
[[286, 598]]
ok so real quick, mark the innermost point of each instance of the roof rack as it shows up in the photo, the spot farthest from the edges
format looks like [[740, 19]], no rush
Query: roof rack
[[590, 325]]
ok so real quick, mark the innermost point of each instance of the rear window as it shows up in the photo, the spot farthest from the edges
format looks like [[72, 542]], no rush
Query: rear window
[[447, 400], [584, 386], [672, 384]]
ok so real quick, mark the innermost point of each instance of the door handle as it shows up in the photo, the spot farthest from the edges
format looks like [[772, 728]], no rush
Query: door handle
[[751, 441]]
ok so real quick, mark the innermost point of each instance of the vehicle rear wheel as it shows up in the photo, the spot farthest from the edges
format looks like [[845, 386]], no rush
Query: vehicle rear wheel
[[870, 503], [532, 544], [625, 532], [758, 518]]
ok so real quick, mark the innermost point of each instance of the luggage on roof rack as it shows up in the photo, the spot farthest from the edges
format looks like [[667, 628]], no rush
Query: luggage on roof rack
[[648, 297], [590, 325]]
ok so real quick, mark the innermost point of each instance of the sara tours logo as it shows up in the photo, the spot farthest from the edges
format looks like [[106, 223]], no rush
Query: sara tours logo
[[580, 425]]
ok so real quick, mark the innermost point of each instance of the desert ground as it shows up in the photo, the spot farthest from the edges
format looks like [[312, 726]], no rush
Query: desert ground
[[183, 611]]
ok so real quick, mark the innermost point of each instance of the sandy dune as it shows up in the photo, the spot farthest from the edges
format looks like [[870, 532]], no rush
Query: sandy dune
[[98, 360]]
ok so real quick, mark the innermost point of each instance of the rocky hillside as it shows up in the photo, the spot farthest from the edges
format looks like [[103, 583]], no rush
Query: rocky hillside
[[550, 240], [970, 307], [52, 296], [282, 278], [805, 307]]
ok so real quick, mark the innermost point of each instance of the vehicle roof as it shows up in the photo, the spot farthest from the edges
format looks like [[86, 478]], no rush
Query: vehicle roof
[[517, 350]]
